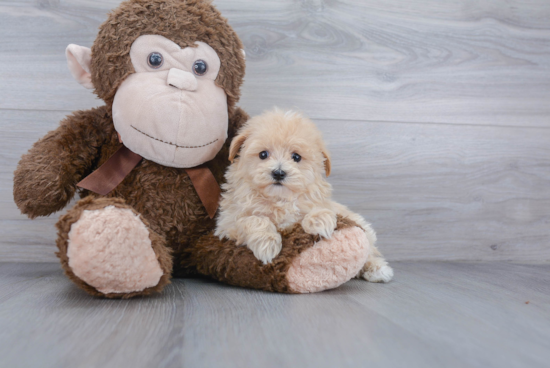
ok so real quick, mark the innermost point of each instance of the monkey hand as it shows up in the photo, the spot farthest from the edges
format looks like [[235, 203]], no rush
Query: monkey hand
[[45, 179]]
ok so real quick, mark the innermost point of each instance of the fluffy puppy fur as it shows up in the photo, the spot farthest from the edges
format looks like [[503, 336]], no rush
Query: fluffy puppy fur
[[277, 181]]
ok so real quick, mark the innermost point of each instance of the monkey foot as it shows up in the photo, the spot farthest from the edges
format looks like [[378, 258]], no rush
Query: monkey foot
[[303, 266], [110, 249], [329, 263]]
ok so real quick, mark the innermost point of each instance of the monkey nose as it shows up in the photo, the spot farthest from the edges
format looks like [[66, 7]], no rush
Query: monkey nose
[[181, 79]]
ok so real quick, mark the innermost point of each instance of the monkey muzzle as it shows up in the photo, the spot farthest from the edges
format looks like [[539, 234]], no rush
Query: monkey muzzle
[[171, 117], [170, 110]]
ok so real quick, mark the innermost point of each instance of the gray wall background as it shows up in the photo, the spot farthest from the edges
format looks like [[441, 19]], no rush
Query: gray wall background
[[437, 113]]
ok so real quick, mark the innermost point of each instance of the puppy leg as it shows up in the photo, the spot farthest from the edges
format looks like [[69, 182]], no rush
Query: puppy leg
[[320, 221], [376, 268], [260, 236]]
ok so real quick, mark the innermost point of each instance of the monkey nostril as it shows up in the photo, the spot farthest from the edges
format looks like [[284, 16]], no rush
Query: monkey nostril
[[278, 174]]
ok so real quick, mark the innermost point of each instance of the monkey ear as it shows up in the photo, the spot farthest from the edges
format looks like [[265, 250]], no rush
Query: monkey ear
[[79, 59], [327, 161], [236, 144]]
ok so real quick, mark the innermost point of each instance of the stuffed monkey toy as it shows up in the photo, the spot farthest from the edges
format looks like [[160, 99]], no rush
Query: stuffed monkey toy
[[147, 165]]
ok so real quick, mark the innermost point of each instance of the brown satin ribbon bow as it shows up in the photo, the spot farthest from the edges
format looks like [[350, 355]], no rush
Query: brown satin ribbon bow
[[118, 166]]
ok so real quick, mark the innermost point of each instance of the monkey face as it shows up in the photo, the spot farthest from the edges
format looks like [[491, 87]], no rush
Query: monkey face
[[170, 110]]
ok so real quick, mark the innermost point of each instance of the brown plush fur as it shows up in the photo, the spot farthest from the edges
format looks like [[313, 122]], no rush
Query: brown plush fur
[[46, 178], [163, 253], [44, 181], [198, 20], [237, 265]]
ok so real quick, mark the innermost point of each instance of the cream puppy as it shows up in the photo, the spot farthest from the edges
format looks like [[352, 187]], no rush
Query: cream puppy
[[277, 181]]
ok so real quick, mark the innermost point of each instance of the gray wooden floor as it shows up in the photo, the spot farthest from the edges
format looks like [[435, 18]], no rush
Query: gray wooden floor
[[434, 314]]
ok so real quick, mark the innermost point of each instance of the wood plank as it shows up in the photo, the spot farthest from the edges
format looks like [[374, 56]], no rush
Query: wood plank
[[48, 322], [432, 191], [446, 192], [501, 303], [251, 329], [452, 61], [33, 69], [433, 314]]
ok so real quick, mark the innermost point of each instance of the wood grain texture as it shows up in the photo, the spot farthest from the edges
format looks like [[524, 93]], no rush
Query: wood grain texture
[[446, 192], [436, 112], [453, 61], [431, 315], [432, 191], [34, 35]]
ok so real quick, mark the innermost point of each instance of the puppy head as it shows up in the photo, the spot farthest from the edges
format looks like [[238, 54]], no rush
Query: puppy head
[[281, 155]]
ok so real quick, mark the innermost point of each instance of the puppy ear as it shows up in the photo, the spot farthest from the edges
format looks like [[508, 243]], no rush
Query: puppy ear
[[327, 161], [236, 144]]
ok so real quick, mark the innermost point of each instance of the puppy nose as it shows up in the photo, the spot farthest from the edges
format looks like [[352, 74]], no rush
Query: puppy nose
[[181, 79], [278, 174]]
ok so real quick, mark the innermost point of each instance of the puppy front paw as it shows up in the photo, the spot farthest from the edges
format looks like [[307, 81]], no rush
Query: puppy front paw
[[266, 246], [320, 222]]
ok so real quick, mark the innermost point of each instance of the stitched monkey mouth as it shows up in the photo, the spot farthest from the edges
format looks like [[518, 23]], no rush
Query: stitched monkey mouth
[[173, 144]]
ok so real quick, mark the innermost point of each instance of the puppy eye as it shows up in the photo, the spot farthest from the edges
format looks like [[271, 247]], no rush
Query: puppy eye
[[200, 67], [264, 155], [155, 60], [296, 157]]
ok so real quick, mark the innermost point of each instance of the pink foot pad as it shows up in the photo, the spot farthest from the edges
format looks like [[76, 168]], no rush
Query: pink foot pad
[[329, 263], [110, 250]]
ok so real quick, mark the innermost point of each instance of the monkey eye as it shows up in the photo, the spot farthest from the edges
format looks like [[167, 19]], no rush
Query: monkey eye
[[264, 155], [296, 157], [155, 60], [200, 67]]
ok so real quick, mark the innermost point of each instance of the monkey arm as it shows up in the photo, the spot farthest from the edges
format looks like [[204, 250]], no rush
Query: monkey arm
[[45, 179]]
